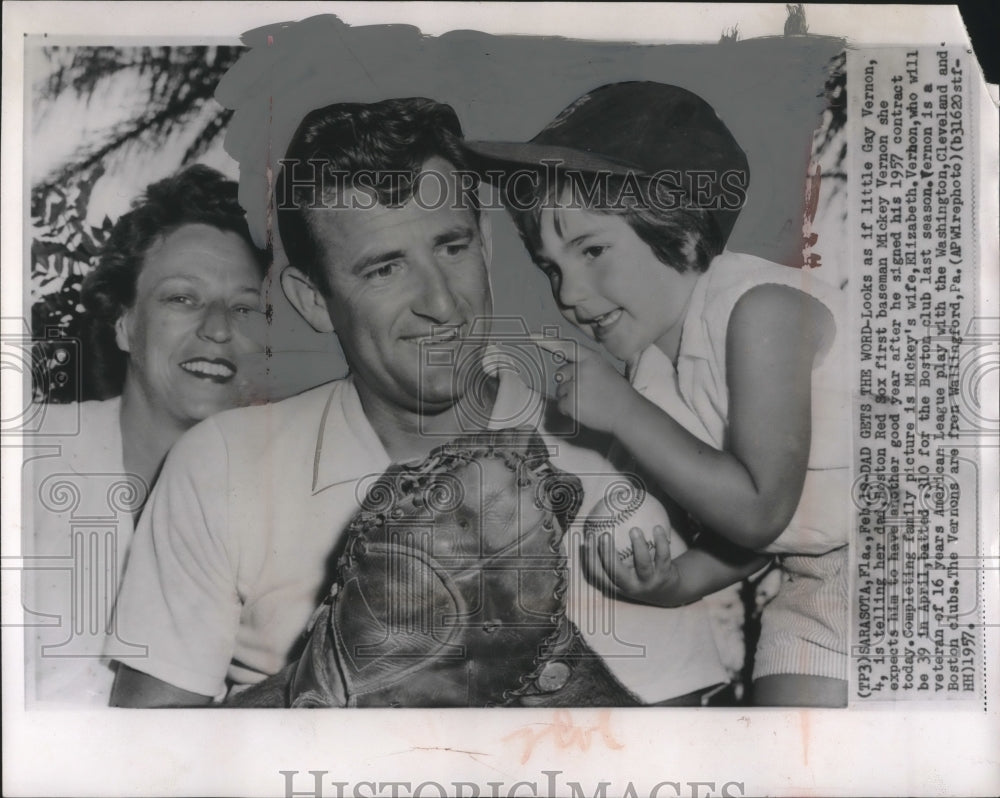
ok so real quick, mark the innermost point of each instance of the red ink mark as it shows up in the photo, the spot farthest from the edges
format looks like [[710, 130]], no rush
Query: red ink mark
[[270, 40], [809, 238], [565, 734]]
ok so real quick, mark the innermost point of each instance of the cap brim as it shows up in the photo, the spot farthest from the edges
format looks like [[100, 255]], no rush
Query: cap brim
[[536, 155]]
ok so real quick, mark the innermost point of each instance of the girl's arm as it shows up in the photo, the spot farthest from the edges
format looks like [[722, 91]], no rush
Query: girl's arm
[[655, 578], [747, 493]]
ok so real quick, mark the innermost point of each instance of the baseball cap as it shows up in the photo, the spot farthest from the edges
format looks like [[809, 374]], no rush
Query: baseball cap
[[645, 128]]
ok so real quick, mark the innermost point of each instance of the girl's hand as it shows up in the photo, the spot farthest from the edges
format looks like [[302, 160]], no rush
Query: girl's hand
[[647, 577], [588, 388]]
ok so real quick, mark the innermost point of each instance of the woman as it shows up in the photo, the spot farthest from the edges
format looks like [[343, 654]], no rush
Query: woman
[[171, 304]]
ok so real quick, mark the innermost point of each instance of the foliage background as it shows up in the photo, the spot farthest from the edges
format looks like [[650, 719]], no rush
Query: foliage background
[[105, 122]]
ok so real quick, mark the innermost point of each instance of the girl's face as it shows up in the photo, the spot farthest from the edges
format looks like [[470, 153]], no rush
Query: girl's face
[[609, 283]]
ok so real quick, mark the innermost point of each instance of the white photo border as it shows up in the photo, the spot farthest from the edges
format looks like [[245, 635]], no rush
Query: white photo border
[[900, 749]]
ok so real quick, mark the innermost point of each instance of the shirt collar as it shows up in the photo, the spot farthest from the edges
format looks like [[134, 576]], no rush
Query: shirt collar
[[348, 448], [694, 341], [646, 369]]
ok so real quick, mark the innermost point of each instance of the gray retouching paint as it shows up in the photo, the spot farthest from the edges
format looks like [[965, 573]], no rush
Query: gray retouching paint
[[768, 91]]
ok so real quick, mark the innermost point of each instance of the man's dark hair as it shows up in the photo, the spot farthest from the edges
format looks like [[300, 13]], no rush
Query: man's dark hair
[[680, 237], [388, 142], [196, 195]]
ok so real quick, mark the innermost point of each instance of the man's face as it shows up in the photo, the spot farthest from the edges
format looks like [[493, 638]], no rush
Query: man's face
[[405, 282]]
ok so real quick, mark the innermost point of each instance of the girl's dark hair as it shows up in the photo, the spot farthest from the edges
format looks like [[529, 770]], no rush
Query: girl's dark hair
[[195, 195], [681, 237]]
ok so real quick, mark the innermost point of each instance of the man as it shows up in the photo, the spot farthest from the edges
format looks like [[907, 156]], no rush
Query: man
[[237, 545]]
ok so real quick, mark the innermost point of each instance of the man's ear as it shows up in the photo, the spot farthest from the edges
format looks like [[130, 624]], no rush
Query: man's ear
[[306, 298], [123, 332]]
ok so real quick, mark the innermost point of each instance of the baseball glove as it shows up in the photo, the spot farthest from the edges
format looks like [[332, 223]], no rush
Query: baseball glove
[[451, 591]]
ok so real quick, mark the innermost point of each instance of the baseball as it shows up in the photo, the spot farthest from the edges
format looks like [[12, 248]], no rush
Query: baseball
[[625, 505]]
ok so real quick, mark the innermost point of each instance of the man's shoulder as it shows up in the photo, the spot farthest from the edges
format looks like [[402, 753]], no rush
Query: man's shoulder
[[245, 430], [302, 406]]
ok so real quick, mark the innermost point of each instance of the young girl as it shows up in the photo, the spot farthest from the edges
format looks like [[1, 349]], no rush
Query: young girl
[[731, 400]]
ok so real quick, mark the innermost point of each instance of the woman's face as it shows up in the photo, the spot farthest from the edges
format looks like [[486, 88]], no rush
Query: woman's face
[[196, 294]]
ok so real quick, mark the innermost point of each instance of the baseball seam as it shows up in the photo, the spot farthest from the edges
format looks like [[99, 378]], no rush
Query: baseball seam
[[620, 516]]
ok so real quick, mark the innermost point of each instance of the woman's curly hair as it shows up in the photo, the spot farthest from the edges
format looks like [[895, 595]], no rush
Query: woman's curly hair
[[195, 195]]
